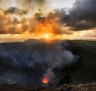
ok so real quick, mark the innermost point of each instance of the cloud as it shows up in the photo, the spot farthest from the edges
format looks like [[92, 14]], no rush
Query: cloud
[[90, 33], [14, 10], [17, 21], [82, 15], [32, 4], [1, 1]]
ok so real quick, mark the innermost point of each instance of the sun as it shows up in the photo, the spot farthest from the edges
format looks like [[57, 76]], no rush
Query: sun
[[46, 36]]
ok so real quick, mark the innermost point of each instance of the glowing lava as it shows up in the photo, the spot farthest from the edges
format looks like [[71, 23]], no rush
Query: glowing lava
[[45, 80]]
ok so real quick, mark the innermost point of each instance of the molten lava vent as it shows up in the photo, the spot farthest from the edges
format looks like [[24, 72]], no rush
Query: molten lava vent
[[45, 80]]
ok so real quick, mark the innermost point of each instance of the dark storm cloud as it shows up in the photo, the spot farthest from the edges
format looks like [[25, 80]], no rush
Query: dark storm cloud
[[27, 63], [82, 15]]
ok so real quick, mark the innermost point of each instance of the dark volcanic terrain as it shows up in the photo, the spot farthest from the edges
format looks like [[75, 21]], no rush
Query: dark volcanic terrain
[[24, 63], [86, 49]]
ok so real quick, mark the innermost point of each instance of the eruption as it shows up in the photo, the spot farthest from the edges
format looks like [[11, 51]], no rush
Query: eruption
[[35, 63], [45, 80]]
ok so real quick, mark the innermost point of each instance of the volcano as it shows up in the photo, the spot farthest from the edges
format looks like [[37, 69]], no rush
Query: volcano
[[35, 63]]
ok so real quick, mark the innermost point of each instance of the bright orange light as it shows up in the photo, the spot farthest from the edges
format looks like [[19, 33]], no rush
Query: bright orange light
[[45, 28], [46, 36], [45, 80]]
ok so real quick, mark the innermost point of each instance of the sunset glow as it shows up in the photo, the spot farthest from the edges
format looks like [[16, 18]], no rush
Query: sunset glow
[[21, 20]]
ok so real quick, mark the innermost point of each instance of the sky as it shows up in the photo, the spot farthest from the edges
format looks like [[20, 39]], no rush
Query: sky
[[71, 19], [52, 4], [61, 3]]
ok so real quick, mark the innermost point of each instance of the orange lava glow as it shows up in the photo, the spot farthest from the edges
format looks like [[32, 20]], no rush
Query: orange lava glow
[[45, 80]]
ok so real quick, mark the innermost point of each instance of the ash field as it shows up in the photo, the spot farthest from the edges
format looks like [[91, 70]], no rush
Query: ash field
[[68, 65]]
